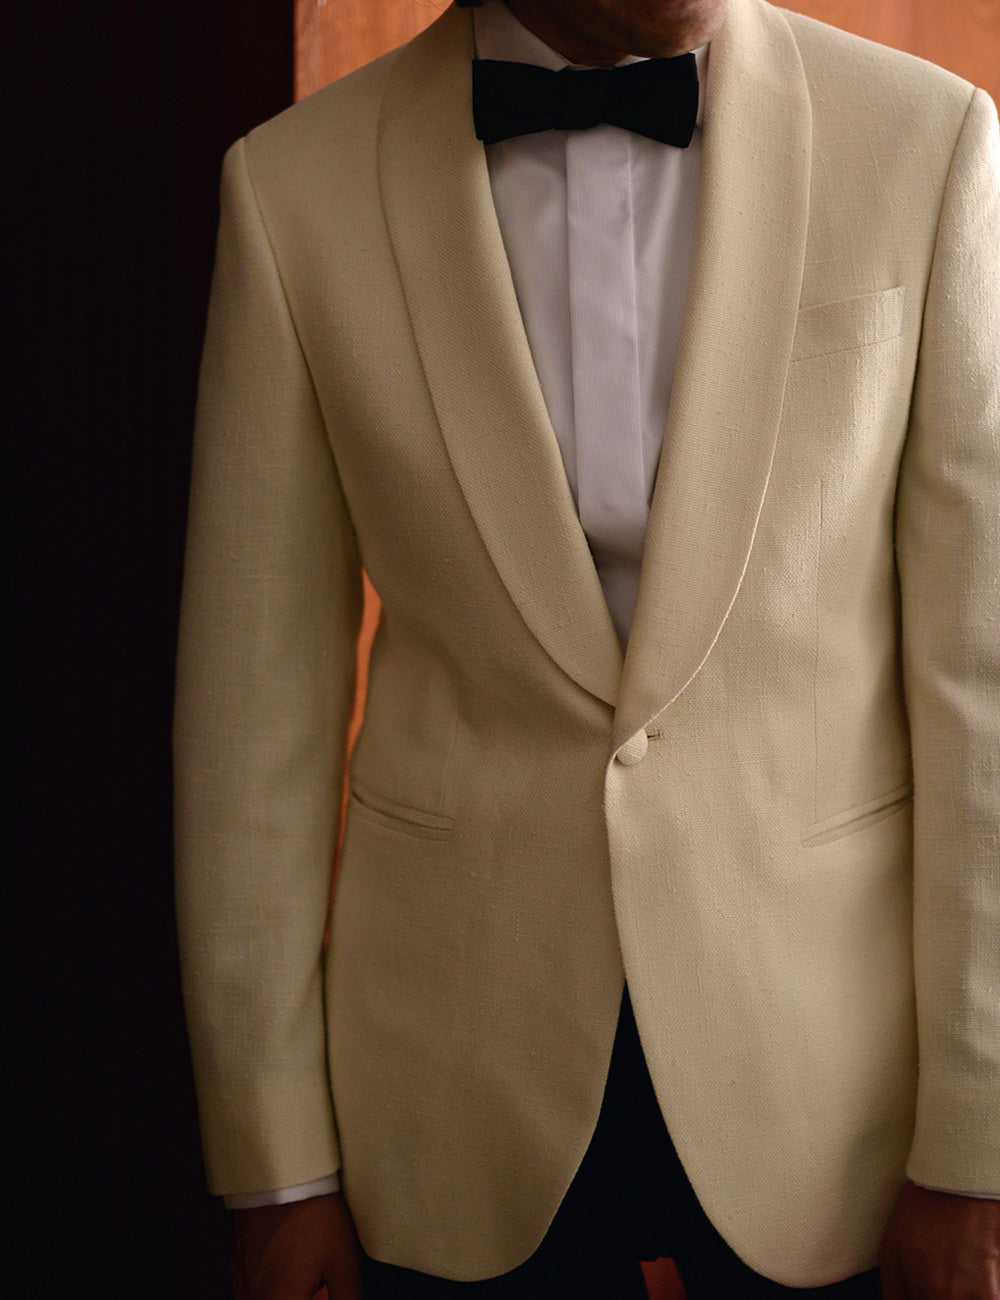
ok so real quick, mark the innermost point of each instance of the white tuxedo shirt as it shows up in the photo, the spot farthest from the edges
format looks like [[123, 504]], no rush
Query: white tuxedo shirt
[[598, 227]]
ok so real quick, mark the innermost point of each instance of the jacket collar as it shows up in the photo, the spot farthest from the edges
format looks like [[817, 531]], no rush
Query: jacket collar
[[732, 361], [728, 387]]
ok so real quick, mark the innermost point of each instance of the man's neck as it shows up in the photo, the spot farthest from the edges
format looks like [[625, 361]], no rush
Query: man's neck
[[576, 48]]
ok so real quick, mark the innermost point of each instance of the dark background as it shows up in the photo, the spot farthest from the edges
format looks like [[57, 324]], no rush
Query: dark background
[[121, 112]]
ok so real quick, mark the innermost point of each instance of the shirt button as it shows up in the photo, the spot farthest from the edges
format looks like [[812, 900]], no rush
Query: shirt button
[[634, 750]]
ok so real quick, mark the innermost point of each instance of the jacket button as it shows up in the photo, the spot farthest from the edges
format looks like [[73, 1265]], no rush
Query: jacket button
[[634, 750]]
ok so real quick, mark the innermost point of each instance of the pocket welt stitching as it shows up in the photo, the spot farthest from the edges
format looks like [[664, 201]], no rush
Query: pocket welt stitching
[[859, 817], [400, 817], [827, 328]]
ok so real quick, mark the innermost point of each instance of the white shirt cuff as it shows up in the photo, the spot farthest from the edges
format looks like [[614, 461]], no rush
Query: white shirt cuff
[[283, 1195], [973, 1196]]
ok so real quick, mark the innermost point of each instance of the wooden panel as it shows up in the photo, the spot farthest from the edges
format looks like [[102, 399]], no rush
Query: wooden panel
[[333, 37], [962, 35]]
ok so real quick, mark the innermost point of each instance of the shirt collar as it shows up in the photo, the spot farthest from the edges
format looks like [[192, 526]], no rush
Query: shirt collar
[[499, 35]]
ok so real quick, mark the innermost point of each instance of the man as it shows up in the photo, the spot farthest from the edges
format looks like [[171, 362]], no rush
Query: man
[[755, 786]]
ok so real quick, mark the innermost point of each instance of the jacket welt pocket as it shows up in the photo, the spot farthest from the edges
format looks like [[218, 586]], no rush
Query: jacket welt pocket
[[399, 817], [859, 817], [831, 327]]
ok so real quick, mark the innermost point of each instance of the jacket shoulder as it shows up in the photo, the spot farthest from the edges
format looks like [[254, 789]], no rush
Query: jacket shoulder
[[336, 129], [891, 103], [876, 76], [338, 119]]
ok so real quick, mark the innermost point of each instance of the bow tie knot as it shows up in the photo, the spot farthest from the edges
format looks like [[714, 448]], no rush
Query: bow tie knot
[[584, 98], [657, 98]]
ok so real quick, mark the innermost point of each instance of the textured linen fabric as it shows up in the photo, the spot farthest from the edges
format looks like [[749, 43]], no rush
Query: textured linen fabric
[[790, 845]]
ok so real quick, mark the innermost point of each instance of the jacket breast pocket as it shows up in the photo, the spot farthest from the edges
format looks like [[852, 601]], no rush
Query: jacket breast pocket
[[830, 327], [370, 806]]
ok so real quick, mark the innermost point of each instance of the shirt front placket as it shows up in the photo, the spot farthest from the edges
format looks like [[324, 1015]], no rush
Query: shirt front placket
[[604, 315]]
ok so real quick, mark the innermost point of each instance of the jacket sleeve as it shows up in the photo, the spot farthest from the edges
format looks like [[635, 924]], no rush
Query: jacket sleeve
[[948, 546], [270, 613]]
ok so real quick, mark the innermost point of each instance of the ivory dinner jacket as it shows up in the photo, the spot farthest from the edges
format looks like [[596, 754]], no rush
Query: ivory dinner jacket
[[776, 814]]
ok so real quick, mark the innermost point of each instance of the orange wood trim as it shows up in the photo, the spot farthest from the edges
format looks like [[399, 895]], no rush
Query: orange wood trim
[[332, 37]]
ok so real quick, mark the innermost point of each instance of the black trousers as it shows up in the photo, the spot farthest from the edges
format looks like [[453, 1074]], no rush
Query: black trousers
[[630, 1200]]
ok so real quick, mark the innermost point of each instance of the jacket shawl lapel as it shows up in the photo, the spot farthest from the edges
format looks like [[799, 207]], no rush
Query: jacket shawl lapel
[[468, 329], [729, 383], [733, 358]]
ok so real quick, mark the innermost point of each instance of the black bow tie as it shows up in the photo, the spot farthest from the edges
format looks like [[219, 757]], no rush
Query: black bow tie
[[656, 98]]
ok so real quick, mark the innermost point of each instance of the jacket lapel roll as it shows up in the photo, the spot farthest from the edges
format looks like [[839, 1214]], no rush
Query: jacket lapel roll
[[476, 358], [733, 358]]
